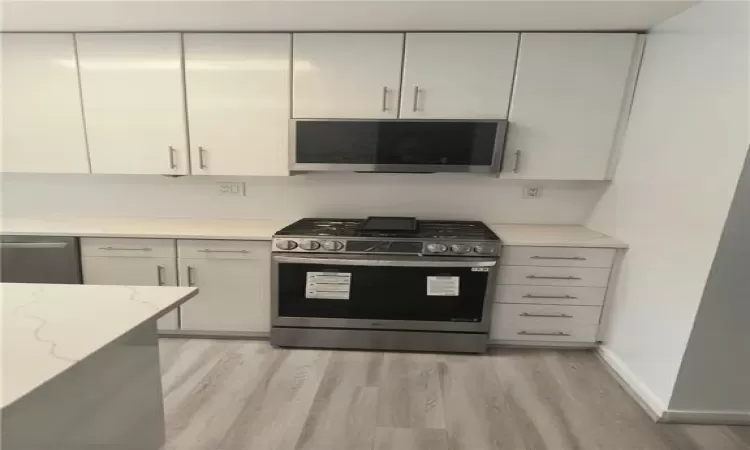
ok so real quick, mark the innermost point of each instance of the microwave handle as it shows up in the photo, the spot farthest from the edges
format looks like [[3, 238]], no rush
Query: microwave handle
[[473, 262]]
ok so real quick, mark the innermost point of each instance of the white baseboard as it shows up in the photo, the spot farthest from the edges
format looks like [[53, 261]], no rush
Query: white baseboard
[[706, 417], [653, 406]]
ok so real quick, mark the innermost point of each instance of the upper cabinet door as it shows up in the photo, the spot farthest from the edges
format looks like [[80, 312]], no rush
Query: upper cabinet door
[[238, 103], [42, 119], [569, 99], [134, 102], [458, 75], [347, 75]]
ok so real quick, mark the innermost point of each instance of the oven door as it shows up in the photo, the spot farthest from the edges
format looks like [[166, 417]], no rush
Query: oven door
[[383, 292]]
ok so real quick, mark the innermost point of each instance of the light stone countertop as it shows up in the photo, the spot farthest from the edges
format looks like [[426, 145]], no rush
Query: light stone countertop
[[143, 228], [510, 234], [554, 236], [48, 328]]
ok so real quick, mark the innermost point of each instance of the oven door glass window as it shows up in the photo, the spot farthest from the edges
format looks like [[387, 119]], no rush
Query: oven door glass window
[[382, 293]]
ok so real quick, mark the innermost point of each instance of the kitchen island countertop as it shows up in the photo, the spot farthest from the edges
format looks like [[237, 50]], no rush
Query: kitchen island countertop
[[49, 328]]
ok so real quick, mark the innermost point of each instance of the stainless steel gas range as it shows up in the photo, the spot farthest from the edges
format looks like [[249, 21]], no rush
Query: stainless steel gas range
[[388, 283]]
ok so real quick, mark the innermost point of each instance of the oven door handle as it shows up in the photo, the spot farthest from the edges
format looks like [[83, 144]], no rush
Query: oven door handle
[[387, 262]]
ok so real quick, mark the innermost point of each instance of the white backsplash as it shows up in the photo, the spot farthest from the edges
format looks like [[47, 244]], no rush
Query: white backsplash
[[439, 196]]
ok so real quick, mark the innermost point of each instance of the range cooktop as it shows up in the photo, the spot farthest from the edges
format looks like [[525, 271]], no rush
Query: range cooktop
[[402, 235]]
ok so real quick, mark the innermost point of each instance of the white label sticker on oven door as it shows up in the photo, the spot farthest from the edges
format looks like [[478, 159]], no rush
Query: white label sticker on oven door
[[330, 285], [442, 286]]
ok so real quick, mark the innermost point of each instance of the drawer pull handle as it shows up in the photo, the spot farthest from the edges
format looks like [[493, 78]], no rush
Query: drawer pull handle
[[208, 250], [528, 333], [559, 316], [565, 297], [142, 249], [573, 258], [534, 277]]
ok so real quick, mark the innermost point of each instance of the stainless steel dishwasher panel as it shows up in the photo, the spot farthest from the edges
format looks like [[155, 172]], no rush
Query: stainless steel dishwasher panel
[[40, 259]]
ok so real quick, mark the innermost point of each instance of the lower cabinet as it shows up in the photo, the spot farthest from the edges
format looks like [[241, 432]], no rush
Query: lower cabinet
[[526, 322], [234, 280], [131, 262], [550, 295]]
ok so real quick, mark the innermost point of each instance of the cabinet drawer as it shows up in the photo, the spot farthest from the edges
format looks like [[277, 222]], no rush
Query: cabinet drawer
[[550, 295], [558, 256], [217, 249], [553, 276], [128, 247], [545, 323]]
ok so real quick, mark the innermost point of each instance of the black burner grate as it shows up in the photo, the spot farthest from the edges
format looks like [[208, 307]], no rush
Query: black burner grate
[[427, 229]]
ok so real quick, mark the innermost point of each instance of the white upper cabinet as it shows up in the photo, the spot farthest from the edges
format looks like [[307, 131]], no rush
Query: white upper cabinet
[[458, 75], [134, 102], [570, 97], [238, 97], [347, 75], [42, 125]]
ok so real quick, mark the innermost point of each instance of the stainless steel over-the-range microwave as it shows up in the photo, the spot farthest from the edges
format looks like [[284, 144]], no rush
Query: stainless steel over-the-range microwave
[[412, 146]]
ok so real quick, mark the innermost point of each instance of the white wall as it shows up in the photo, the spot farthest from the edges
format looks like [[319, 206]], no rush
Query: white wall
[[681, 160], [339, 195], [254, 15], [715, 372]]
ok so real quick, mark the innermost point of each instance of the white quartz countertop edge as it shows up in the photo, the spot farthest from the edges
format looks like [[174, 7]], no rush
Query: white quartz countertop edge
[[227, 229], [261, 229], [554, 236], [49, 328]]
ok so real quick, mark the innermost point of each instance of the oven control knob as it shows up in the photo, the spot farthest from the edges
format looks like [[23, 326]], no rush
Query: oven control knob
[[309, 245], [460, 248], [333, 246], [484, 249], [286, 244], [436, 248]]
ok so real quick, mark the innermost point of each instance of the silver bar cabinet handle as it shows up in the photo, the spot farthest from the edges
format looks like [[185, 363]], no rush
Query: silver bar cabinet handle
[[201, 157], [142, 249], [573, 258], [566, 297], [37, 245], [172, 164], [160, 275], [534, 277], [528, 333], [208, 250], [385, 99], [517, 161], [191, 275], [415, 106], [561, 316]]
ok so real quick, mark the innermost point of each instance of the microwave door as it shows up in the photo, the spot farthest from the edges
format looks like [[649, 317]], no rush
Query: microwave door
[[397, 146]]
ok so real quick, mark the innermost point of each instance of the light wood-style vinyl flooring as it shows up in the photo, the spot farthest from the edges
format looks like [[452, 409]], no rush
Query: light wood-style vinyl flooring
[[247, 395]]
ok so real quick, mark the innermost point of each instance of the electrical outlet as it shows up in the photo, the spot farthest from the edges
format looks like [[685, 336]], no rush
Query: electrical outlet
[[227, 188], [532, 192]]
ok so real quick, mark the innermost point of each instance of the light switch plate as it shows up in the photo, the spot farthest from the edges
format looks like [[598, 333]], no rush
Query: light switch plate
[[232, 188]]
